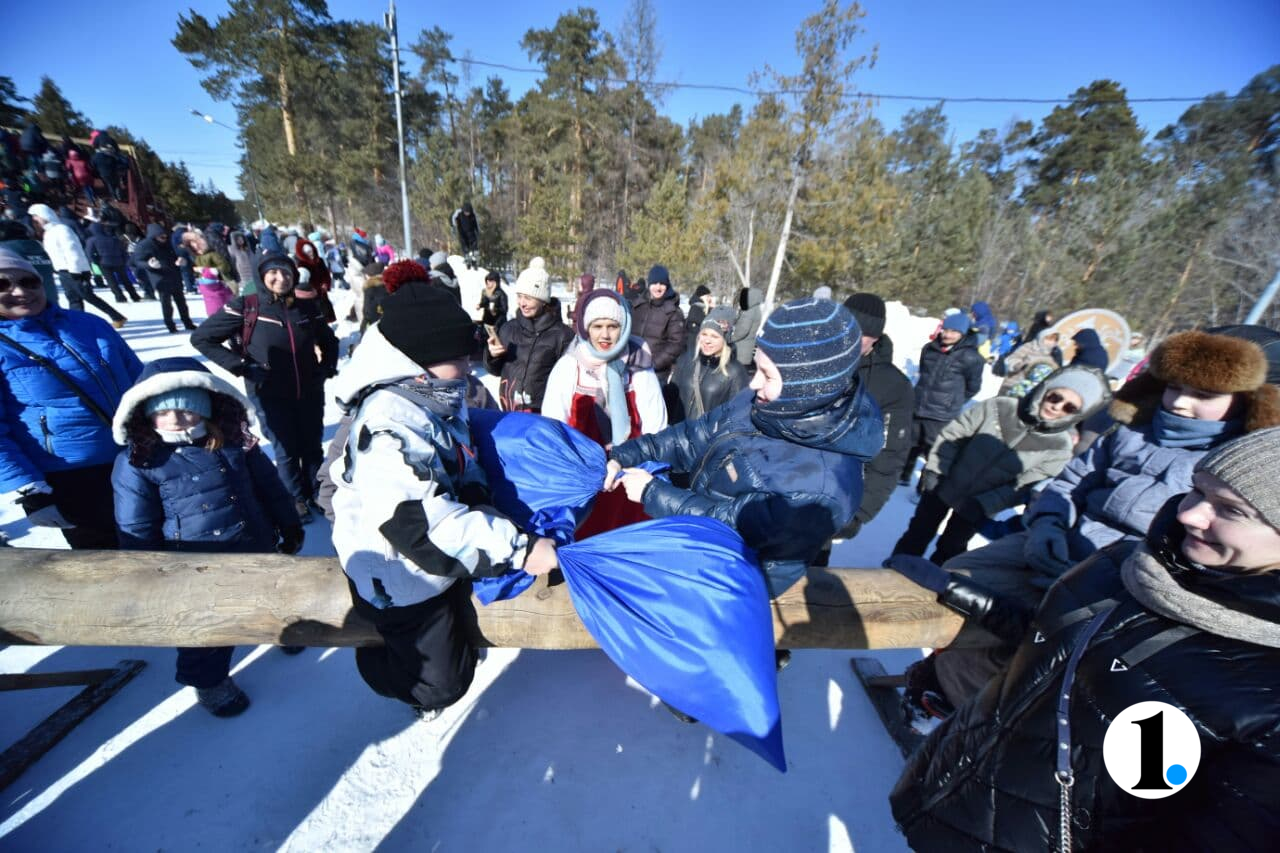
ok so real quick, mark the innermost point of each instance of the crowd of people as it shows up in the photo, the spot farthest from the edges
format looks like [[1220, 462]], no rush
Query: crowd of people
[[1147, 504]]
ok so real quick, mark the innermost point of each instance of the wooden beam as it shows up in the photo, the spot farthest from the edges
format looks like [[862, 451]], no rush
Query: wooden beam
[[137, 598]]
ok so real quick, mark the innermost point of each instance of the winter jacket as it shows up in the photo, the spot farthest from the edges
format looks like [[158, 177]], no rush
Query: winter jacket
[[105, 248], [493, 307], [157, 259], [61, 242], [32, 142], [574, 392], [1114, 489], [242, 258], [747, 326], [1018, 364], [533, 348], [661, 325], [44, 425], [893, 392], [948, 378], [985, 779], [786, 496], [79, 169], [1089, 350], [215, 259], [183, 497], [693, 320], [375, 293], [995, 451], [466, 227], [284, 340], [404, 526], [714, 388], [984, 321], [107, 165]]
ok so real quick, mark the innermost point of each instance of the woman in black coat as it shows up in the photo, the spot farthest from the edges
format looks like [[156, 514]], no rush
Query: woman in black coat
[[707, 375], [1191, 618]]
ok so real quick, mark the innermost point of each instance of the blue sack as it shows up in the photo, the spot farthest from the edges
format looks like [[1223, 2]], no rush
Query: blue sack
[[678, 603]]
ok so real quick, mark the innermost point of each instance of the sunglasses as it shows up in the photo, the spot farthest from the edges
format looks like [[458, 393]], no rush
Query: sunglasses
[[1053, 398], [26, 283]]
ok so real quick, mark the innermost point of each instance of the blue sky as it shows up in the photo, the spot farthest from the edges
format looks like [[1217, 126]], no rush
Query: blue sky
[[121, 68]]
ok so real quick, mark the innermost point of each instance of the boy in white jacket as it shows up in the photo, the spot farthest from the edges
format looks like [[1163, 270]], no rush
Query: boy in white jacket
[[411, 520]]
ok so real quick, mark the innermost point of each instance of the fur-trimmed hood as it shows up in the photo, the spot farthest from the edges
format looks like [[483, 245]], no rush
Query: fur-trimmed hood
[[1221, 364], [168, 374]]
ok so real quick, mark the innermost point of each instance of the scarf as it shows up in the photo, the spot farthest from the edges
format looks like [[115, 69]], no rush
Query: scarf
[[1150, 583], [617, 362], [183, 436], [1170, 430]]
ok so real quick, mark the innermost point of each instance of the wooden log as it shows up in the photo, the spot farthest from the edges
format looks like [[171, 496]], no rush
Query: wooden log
[[137, 598]]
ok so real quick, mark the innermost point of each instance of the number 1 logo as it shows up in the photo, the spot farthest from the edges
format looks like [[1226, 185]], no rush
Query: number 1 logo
[[1151, 750]]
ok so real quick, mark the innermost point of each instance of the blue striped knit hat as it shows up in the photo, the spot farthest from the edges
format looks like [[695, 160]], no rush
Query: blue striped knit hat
[[816, 345]]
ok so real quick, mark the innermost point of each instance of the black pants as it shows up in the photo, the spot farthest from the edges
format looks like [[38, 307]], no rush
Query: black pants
[[169, 296], [79, 291], [296, 430], [119, 283], [426, 658], [930, 513], [144, 281], [202, 668], [924, 432], [85, 498]]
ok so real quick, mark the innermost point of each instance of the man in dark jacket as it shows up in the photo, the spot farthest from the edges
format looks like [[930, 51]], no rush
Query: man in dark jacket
[[950, 374], [658, 320], [697, 313], [528, 346], [891, 389], [284, 377], [154, 254], [468, 231], [33, 144], [106, 250]]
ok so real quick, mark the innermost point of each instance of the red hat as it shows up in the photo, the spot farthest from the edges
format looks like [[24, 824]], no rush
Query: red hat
[[401, 273]]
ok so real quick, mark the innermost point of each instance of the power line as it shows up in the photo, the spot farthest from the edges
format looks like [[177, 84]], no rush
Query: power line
[[714, 87]]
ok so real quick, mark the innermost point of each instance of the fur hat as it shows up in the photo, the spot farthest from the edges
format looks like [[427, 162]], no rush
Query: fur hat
[[1221, 364]]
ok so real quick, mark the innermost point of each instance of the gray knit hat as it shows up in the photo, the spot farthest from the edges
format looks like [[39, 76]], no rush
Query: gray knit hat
[[1249, 465]]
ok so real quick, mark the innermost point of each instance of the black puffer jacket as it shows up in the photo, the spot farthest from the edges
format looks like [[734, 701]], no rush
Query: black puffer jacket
[[661, 324], [105, 248], [947, 378], [715, 387], [284, 340], [697, 313], [164, 274], [493, 307], [985, 778], [891, 389], [533, 348]]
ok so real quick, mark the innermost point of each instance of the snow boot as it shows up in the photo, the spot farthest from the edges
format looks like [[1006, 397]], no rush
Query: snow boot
[[304, 511], [293, 650], [781, 659], [224, 700]]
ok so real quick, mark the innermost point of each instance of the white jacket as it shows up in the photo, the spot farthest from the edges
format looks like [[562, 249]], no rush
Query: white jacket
[[400, 531], [61, 243], [568, 377]]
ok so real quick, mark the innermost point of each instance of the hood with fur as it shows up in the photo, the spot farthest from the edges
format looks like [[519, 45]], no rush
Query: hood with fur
[[168, 374]]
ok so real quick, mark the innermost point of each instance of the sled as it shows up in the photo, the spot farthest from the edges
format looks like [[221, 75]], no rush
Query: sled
[[883, 691]]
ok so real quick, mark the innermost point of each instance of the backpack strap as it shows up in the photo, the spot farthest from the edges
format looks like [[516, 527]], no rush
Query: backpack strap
[[61, 375], [249, 321]]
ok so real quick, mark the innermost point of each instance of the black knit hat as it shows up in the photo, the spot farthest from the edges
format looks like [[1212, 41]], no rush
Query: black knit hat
[[277, 261], [868, 310], [658, 273], [427, 324]]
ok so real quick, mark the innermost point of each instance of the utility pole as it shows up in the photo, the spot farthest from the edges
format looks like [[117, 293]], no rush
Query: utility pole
[[389, 21], [1264, 301]]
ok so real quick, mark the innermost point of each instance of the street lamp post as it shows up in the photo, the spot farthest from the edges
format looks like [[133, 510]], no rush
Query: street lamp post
[[389, 20], [253, 181]]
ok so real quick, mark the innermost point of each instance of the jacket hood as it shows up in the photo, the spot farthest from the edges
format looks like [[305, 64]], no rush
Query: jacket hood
[[852, 425], [168, 374], [1091, 384], [45, 212], [982, 314], [750, 297], [154, 230], [374, 362]]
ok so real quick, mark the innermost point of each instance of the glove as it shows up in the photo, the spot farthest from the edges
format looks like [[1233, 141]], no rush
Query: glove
[[1046, 547], [255, 373], [919, 571], [291, 539], [929, 481]]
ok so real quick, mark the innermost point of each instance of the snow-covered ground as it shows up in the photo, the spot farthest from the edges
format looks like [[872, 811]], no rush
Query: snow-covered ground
[[549, 751]]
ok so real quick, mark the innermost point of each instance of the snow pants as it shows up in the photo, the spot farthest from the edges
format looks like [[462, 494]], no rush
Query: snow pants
[[924, 432], [203, 668], [931, 512], [85, 498], [296, 431], [426, 659]]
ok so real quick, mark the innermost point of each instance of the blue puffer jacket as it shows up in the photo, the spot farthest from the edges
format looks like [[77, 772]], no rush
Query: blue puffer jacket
[[186, 498], [44, 426], [1113, 490], [786, 497]]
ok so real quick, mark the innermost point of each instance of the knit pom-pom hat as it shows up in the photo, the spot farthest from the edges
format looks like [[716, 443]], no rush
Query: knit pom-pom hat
[[1220, 364], [401, 273], [816, 345]]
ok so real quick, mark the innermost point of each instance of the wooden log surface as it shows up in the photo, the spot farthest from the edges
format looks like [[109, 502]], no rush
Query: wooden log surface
[[139, 598]]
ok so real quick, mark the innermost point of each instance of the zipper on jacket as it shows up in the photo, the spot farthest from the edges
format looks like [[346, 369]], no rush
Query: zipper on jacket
[[706, 454], [48, 435], [60, 342], [293, 353]]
